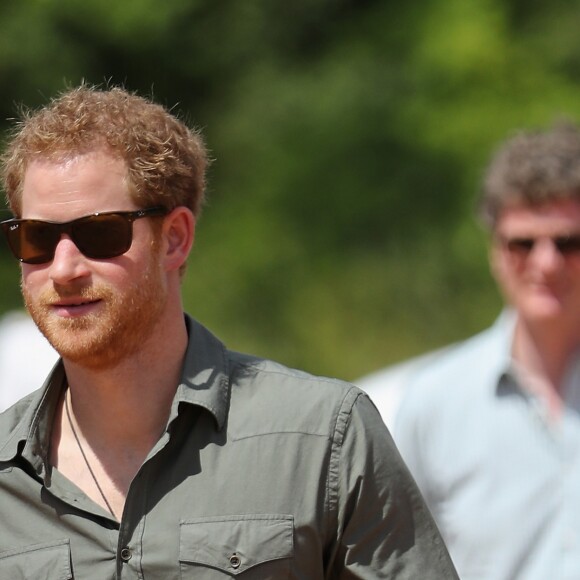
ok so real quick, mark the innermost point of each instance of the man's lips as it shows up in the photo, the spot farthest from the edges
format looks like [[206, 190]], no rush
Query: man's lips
[[541, 284], [77, 307]]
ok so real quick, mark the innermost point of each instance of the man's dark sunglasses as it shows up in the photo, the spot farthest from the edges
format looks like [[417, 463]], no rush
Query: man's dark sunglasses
[[98, 236], [565, 245]]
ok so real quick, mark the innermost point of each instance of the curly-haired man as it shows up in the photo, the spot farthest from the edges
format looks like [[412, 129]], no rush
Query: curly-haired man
[[152, 451], [491, 427]]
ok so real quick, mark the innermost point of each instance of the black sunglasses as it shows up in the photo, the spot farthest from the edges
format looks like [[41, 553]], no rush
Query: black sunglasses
[[98, 236], [522, 247]]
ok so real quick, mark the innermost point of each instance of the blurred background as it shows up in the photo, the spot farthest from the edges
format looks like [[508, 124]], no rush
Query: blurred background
[[349, 137]]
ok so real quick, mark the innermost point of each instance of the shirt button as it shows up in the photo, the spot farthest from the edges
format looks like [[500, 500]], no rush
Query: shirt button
[[126, 554], [235, 561]]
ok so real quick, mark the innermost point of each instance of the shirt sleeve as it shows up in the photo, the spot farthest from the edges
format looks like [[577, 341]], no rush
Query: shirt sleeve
[[384, 527]]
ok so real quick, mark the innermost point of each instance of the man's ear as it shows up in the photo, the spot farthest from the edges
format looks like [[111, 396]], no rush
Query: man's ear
[[178, 235]]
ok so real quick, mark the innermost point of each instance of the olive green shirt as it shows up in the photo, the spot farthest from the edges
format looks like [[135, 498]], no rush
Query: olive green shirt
[[262, 473]]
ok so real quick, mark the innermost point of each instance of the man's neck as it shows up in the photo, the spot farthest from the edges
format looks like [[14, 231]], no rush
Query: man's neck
[[543, 350], [543, 355], [131, 399], [119, 414]]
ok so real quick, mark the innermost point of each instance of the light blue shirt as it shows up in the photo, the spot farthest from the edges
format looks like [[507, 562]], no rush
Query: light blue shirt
[[501, 479]]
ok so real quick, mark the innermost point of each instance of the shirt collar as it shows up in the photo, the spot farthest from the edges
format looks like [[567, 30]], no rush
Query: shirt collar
[[570, 388], [205, 382], [205, 378], [503, 330], [26, 429], [508, 375]]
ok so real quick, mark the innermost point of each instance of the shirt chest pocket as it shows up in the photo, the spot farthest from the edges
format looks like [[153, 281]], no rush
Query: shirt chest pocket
[[256, 547], [48, 561]]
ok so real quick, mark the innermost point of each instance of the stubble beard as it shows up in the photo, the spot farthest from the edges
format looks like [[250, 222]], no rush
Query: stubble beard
[[117, 331]]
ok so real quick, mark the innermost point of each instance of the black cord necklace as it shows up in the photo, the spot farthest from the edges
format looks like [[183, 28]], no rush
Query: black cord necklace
[[84, 456]]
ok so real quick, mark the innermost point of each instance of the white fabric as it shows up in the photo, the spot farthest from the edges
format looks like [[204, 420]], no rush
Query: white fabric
[[26, 357]]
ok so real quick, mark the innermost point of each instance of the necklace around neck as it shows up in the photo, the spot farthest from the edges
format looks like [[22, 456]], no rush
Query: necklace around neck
[[68, 416]]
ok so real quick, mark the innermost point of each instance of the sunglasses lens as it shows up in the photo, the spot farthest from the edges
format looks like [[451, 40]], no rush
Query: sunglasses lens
[[32, 241], [569, 246], [103, 236], [520, 246]]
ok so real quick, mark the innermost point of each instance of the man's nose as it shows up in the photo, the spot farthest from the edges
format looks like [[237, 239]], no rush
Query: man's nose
[[546, 255], [68, 262]]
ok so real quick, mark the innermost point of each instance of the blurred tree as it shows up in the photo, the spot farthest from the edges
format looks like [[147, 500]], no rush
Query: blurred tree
[[348, 136]]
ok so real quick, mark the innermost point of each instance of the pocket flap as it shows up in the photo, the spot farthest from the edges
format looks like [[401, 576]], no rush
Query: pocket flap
[[48, 560], [236, 543]]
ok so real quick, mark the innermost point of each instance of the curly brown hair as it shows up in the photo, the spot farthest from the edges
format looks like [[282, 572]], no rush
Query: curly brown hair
[[531, 168], [166, 160]]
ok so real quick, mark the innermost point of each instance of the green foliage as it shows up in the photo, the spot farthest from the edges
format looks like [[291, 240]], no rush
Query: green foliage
[[349, 138]]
